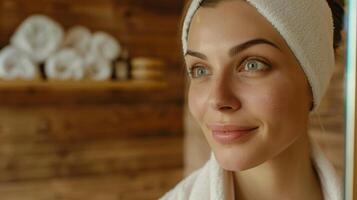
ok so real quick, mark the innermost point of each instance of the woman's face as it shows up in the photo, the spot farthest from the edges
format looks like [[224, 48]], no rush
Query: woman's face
[[247, 90]]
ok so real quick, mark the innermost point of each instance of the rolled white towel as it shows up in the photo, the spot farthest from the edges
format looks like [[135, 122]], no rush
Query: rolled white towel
[[104, 46], [78, 38], [97, 68], [66, 64], [39, 36], [15, 64]]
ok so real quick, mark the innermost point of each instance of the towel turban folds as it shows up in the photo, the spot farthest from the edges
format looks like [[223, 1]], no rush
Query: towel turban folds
[[307, 28]]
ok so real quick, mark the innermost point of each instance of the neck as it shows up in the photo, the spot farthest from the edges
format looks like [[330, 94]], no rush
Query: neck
[[290, 175]]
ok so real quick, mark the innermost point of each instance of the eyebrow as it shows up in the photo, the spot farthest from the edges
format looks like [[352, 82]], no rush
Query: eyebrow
[[236, 49]]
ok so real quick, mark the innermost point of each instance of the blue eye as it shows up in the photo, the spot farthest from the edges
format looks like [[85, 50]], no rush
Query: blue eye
[[253, 65], [198, 72]]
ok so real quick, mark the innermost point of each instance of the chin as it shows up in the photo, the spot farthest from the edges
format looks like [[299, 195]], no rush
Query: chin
[[237, 160]]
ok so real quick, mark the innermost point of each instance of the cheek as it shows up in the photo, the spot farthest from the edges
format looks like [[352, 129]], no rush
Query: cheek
[[272, 101], [197, 102], [280, 105]]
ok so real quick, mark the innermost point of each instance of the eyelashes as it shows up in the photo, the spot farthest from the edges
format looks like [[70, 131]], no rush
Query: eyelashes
[[254, 65], [198, 71], [248, 67]]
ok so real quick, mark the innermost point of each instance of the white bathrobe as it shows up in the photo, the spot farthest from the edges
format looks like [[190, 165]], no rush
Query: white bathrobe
[[211, 182]]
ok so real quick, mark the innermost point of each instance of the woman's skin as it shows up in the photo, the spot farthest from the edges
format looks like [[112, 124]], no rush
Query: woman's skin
[[258, 85]]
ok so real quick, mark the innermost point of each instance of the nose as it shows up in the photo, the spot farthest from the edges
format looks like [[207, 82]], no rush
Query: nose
[[223, 96]]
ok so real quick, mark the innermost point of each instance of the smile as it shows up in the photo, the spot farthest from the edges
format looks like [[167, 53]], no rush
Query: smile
[[227, 134]]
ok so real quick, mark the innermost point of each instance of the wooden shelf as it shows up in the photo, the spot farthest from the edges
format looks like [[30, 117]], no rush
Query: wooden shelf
[[82, 85], [86, 92]]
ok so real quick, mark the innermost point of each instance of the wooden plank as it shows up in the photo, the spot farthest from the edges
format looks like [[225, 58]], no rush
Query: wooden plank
[[77, 122], [144, 185], [39, 93], [33, 97], [123, 16], [59, 86], [25, 161]]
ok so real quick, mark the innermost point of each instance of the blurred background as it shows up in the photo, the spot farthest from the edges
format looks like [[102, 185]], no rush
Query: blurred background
[[109, 130], [79, 138]]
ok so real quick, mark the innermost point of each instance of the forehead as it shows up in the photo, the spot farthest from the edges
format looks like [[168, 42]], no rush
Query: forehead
[[229, 23]]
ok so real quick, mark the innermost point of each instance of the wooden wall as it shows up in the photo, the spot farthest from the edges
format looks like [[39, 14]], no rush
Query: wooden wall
[[84, 143]]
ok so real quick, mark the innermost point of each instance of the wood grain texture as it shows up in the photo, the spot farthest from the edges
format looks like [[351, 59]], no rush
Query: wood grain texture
[[47, 143], [145, 185], [57, 92], [30, 161]]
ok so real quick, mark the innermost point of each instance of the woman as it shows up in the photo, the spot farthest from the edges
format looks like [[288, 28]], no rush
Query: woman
[[257, 70]]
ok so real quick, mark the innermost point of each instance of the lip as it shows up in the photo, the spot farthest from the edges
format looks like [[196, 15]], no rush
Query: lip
[[227, 134]]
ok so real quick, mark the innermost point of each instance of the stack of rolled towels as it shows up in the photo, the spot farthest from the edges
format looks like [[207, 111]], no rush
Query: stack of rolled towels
[[77, 54]]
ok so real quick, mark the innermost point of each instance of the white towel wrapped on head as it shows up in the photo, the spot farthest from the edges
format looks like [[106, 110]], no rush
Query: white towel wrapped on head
[[97, 68], [64, 65], [38, 36], [307, 28], [78, 38], [104, 46], [15, 64]]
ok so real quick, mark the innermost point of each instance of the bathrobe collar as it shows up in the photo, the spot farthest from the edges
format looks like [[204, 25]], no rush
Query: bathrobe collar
[[223, 188], [212, 182]]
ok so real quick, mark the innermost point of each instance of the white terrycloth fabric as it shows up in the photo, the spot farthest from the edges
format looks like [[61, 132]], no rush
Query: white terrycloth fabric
[[306, 26], [211, 182], [104, 46], [15, 64], [39, 36], [97, 68], [78, 38], [66, 64]]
